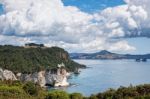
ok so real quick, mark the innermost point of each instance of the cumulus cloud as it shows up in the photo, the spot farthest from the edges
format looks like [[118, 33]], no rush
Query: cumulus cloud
[[52, 23], [125, 20]]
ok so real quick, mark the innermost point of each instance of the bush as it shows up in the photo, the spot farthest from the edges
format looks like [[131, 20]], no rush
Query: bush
[[76, 96], [57, 95], [30, 88], [16, 83], [108, 94], [93, 97], [10, 90]]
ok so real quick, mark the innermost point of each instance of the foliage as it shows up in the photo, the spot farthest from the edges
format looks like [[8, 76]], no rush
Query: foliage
[[76, 96], [93, 97], [10, 90], [30, 88], [57, 95], [13, 90], [141, 91], [28, 60]]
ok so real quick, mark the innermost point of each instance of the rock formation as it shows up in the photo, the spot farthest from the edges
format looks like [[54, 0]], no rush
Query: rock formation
[[54, 77], [57, 77], [7, 75]]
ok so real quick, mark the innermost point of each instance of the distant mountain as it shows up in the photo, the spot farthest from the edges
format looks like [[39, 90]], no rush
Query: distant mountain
[[107, 55]]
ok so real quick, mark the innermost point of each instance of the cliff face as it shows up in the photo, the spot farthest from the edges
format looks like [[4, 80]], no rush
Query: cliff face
[[7, 75], [57, 77]]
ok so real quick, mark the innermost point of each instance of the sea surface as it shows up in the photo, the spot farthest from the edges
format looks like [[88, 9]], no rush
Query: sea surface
[[104, 74]]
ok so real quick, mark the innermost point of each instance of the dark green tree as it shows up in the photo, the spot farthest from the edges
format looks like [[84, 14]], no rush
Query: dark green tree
[[30, 88], [76, 96], [57, 95]]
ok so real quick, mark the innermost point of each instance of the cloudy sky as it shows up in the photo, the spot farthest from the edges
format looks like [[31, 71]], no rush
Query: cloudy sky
[[78, 25]]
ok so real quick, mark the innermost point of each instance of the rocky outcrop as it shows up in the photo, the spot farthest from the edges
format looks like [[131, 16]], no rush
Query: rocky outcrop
[[7, 75], [57, 77], [38, 77], [53, 77], [1, 74]]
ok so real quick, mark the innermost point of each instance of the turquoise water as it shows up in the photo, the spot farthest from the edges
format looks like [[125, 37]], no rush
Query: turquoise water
[[105, 74]]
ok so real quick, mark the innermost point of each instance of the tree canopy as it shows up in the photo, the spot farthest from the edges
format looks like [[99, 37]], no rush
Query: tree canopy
[[21, 59]]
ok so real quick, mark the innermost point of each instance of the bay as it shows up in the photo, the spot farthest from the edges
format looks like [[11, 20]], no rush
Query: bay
[[104, 74]]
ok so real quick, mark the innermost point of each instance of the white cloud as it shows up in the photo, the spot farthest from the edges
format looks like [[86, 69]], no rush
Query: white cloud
[[52, 23], [121, 45]]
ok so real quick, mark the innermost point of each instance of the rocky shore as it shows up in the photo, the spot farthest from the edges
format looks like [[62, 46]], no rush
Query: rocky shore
[[53, 77]]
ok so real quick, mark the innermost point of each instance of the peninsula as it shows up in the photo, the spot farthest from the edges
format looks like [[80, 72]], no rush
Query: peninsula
[[36, 63]]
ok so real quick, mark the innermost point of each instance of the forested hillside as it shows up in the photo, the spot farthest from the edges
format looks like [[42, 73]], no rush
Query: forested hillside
[[32, 59]]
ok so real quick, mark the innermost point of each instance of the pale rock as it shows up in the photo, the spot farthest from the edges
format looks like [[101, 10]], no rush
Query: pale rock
[[1, 74], [63, 82], [41, 78], [55, 77], [37, 77], [9, 75]]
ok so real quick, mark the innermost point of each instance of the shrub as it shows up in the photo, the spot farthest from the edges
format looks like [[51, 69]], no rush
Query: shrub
[[76, 96], [108, 94], [30, 88], [10, 90], [16, 83], [57, 95], [93, 97]]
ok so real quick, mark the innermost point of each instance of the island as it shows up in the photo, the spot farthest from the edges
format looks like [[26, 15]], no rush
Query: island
[[104, 54]]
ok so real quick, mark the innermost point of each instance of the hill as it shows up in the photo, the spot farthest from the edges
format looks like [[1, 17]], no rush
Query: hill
[[107, 55], [33, 59]]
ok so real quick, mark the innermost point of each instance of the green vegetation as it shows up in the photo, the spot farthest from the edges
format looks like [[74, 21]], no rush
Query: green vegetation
[[28, 90], [18, 90], [76, 96], [57, 95], [30, 59]]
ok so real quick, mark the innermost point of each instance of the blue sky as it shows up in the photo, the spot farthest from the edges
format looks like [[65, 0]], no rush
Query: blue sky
[[1, 9], [142, 45], [92, 6]]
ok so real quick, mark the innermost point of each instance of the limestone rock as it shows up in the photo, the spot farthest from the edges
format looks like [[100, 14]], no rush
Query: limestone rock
[[1, 74], [8, 75], [54, 77], [58, 78]]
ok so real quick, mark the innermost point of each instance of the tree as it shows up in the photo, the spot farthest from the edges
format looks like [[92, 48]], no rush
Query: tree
[[76, 96], [57, 95], [93, 97], [30, 88]]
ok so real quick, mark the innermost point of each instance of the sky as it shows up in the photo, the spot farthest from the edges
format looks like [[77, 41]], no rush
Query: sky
[[92, 6], [1, 10], [120, 26]]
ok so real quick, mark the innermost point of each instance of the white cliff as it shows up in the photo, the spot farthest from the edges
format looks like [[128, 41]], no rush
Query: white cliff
[[53, 77], [7, 75], [37, 77], [1, 74], [63, 82], [57, 77]]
